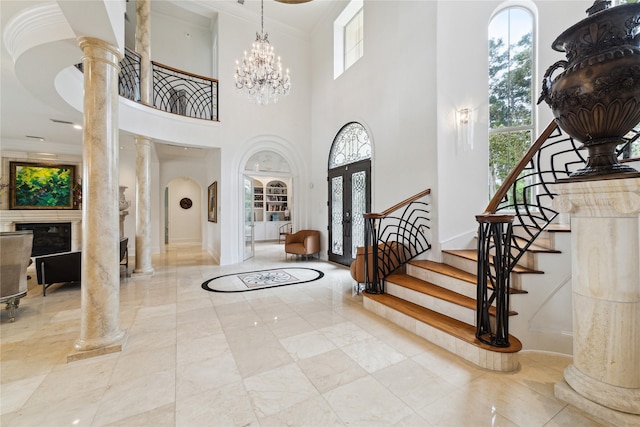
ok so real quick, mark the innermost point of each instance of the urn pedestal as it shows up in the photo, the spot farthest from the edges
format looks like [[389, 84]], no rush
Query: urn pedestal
[[604, 378]]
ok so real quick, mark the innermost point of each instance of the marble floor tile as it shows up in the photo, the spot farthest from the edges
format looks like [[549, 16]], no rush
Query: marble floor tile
[[413, 384], [16, 393], [279, 389], [313, 412], [372, 354], [331, 369], [346, 333], [228, 405], [307, 345], [136, 396], [366, 402], [303, 355]]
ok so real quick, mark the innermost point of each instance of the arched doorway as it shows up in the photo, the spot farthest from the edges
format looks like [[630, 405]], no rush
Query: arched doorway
[[349, 180], [268, 198]]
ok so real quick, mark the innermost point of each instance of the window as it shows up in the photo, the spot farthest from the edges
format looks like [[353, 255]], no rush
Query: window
[[511, 119], [348, 37], [353, 43]]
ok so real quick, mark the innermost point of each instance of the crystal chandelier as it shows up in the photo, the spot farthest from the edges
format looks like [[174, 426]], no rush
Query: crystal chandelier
[[259, 75]]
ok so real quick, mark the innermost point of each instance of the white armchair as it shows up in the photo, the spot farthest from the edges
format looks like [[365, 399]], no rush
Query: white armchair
[[15, 253]]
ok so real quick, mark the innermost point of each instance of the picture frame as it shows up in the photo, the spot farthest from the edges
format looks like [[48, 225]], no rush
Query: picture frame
[[41, 185], [212, 205]]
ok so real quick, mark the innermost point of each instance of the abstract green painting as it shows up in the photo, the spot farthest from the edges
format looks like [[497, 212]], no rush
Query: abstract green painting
[[41, 186]]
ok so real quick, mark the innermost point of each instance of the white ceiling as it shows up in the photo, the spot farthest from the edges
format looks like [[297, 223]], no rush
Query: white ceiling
[[23, 114]]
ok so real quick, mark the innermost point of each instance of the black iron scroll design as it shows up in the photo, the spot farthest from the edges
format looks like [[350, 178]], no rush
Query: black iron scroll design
[[519, 212], [394, 237], [183, 93], [523, 203], [129, 77], [174, 91]]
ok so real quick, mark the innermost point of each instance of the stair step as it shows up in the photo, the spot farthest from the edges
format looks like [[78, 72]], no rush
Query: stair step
[[472, 255], [537, 248], [439, 329], [558, 228], [446, 270], [435, 291], [451, 271]]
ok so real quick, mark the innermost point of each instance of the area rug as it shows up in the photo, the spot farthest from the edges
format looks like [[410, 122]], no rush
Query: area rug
[[261, 279]]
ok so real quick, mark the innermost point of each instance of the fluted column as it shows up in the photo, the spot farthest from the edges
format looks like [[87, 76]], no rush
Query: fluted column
[[100, 290], [143, 207], [604, 378], [143, 48]]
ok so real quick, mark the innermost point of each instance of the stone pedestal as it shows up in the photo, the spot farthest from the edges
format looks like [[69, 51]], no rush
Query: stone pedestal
[[604, 379]]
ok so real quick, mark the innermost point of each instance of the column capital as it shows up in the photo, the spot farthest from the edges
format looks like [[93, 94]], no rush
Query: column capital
[[599, 198], [99, 49]]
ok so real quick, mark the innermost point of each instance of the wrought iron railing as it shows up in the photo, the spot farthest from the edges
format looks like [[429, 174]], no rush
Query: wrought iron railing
[[184, 93], [129, 77], [174, 91], [518, 213], [394, 237]]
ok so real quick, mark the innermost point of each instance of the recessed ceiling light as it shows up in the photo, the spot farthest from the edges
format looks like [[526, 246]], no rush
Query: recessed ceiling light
[[77, 127]]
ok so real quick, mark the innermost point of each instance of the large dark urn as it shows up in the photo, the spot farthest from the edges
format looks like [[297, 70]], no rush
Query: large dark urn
[[596, 98]]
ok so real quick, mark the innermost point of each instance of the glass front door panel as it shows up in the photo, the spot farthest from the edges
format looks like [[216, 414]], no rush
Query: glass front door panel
[[337, 241], [358, 209]]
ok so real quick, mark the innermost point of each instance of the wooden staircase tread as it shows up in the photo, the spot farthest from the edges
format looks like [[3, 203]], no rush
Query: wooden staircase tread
[[427, 288], [446, 270], [558, 228], [456, 328], [456, 273], [472, 255], [538, 248]]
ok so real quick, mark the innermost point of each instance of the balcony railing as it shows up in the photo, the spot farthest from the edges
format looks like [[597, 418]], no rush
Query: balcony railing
[[174, 91], [184, 93]]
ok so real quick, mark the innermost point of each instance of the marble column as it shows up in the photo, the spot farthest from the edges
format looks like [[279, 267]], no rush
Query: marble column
[[100, 291], [143, 48], [143, 207], [604, 378]]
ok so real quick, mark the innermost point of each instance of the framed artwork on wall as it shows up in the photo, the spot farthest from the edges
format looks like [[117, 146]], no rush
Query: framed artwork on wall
[[41, 186], [212, 205]]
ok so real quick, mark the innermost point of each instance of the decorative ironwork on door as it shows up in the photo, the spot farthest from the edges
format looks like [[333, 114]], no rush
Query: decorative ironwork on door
[[349, 179]]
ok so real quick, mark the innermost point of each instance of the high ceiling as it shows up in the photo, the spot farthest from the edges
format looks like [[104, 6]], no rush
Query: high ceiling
[[24, 116]]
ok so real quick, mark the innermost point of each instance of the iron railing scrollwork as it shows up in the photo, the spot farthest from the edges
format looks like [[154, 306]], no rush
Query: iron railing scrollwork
[[184, 93], [174, 91], [518, 213], [129, 77], [394, 237]]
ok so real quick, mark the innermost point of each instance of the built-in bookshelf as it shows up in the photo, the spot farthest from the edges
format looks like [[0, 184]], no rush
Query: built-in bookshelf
[[258, 201], [271, 207], [276, 201]]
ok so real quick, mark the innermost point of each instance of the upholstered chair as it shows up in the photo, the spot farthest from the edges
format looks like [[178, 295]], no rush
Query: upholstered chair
[[15, 255], [303, 242]]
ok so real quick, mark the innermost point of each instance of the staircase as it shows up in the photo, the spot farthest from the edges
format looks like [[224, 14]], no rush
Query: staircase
[[437, 301]]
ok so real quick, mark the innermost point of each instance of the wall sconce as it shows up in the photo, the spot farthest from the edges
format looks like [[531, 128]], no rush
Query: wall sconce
[[464, 129]]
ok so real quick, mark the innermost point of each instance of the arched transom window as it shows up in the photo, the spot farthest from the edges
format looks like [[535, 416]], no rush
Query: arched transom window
[[350, 145]]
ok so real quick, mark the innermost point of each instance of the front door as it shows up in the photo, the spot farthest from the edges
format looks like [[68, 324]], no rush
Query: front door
[[349, 199]]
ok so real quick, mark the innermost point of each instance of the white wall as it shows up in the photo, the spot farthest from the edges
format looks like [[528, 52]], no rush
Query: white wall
[[181, 39], [463, 82], [391, 91], [185, 224]]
